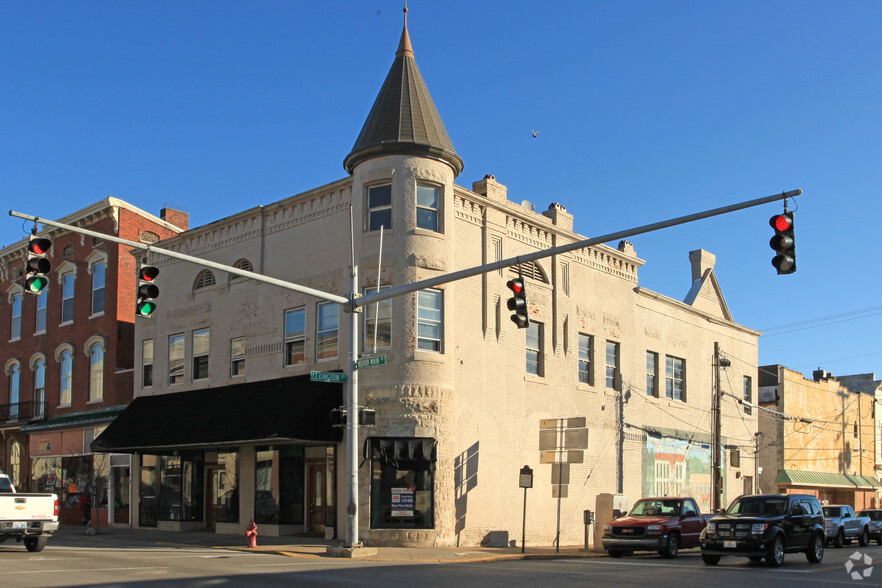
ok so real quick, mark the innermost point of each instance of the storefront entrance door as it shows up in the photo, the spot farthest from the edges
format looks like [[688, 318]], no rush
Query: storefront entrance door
[[316, 491]]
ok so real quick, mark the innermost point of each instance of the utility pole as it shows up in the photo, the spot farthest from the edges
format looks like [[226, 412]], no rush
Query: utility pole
[[717, 435]]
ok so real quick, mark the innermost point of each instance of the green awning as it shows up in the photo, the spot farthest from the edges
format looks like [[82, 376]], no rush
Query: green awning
[[801, 478]]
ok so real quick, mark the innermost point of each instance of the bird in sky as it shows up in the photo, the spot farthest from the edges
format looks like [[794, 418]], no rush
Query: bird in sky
[[535, 132]]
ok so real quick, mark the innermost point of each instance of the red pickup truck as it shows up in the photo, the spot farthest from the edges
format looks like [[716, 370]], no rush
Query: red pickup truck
[[665, 524]]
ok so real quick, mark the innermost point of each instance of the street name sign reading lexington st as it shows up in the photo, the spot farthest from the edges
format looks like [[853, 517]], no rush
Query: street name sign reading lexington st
[[333, 377]]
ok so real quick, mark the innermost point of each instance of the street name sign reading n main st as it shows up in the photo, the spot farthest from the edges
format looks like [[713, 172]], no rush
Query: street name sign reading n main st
[[368, 362], [333, 377]]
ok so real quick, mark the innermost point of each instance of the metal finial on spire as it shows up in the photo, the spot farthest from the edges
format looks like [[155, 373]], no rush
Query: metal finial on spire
[[404, 47]]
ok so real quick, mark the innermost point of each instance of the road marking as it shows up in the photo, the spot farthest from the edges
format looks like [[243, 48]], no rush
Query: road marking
[[81, 570]]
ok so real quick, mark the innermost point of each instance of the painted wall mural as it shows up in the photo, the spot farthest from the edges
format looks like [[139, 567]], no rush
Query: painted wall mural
[[677, 467]]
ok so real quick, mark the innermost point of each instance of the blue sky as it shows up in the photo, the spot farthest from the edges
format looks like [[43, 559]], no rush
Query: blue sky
[[646, 110]]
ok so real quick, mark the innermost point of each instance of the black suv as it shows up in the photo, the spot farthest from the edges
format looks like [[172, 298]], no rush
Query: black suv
[[766, 526]]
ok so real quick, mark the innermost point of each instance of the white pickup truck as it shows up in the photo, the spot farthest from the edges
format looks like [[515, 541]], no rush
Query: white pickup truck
[[29, 518]]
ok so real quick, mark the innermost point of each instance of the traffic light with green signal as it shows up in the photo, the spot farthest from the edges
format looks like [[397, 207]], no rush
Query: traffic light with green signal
[[37, 265], [148, 291]]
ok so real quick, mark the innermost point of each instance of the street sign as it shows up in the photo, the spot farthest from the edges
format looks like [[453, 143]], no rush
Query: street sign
[[368, 362], [526, 477], [333, 377]]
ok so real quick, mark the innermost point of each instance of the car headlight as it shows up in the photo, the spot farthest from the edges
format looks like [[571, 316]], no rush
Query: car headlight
[[758, 528], [653, 529], [711, 527], [607, 529]]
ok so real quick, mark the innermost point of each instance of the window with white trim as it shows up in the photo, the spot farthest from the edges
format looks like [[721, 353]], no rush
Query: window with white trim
[[98, 271], [429, 320], [16, 317], [612, 365], [147, 363], [39, 388], [586, 359], [14, 372], [652, 374], [379, 207], [326, 330], [42, 299], [237, 357], [67, 297], [378, 321], [295, 336], [176, 358], [200, 354], [748, 394], [534, 348], [428, 202], [96, 372], [675, 378], [66, 383]]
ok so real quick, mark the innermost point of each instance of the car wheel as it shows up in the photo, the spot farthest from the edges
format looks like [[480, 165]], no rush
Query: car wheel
[[710, 560], [864, 539], [775, 555], [35, 543], [615, 553], [839, 541], [879, 539], [755, 557], [815, 551], [672, 546]]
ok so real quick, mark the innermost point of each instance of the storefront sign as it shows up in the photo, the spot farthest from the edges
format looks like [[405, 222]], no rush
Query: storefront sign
[[402, 502]]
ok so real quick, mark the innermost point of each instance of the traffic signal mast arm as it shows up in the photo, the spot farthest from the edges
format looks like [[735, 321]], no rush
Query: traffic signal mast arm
[[502, 264], [199, 261]]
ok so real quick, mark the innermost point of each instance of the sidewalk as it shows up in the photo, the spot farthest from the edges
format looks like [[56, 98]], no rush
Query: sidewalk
[[305, 546]]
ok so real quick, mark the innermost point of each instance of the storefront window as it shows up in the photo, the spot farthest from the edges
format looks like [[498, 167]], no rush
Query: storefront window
[[147, 505], [228, 487], [402, 482], [181, 487], [279, 485]]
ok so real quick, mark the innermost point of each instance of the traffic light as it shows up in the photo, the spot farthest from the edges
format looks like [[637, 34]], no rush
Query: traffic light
[[37, 265], [518, 303], [147, 290], [784, 243]]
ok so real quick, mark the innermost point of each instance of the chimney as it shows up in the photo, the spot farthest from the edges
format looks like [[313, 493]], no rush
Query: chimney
[[490, 188], [559, 216], [701, 262], [176, 218], [820, 374]]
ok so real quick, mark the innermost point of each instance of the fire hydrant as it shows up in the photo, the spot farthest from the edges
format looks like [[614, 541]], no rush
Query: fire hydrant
[[251, 533]]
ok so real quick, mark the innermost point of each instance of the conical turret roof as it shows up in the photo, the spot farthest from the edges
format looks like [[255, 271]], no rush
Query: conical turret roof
[[403, 119]]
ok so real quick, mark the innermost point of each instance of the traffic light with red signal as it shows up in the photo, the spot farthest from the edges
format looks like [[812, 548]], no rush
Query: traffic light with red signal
[[148, 291], [784, 243], [518, 303], [37, 264]]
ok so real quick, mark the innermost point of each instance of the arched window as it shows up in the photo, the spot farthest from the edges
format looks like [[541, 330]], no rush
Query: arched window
[[13, 370], [530, 269], [39, 367], [96, 372], [65, 358], [204, 280], [242, 264]]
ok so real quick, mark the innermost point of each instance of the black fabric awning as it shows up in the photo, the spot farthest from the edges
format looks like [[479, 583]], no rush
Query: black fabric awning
[[402, 453], [287, 409]]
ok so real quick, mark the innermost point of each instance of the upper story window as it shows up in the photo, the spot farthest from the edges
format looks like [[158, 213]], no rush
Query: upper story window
[[651, 374], [586, 359], [66, 382], [242, 264], [429, 320], [295, 336], [147, 363], [237, 356], [176, 358], [98, 271], [39, 387], [326, 330], [96, 372], [428, 204], [748, 395], [14, 372], [204, 279], [534, 348], [67, 297], [675, 378], [200, 354], [16, 317], [68, 251], [612, 365], [42, 298], [378, 322], [379, 207]]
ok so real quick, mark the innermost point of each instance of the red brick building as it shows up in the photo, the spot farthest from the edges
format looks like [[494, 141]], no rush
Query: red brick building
[[68, 357]]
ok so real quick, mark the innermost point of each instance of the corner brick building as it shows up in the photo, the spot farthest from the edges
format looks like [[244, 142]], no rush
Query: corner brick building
[[68, 357]]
